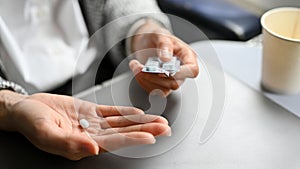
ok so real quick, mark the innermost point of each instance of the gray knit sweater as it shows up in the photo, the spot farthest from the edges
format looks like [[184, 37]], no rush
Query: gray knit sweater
[[117, 16]]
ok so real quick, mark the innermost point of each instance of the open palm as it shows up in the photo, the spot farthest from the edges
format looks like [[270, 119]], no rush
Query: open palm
[[51, 123]]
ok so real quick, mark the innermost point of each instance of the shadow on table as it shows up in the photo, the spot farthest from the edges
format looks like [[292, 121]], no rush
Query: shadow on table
[[154, 104], [17, 152]]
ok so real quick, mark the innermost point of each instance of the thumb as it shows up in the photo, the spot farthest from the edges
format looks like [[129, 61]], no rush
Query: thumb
[[135, 66], [165, 48], [87, 145]]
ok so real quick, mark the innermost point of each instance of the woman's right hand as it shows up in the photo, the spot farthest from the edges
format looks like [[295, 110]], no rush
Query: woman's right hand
[[51, 123]]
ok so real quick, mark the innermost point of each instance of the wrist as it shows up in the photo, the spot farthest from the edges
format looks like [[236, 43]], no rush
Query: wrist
[[149, 27], [7, 101]]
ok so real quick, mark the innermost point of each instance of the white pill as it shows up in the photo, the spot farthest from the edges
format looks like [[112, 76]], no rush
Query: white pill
[[84, 123]]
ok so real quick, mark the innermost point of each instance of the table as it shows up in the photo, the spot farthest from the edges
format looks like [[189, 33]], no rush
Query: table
[[253, 133], [259, 7]]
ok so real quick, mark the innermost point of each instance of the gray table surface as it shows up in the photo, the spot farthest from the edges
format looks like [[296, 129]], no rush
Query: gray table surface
[[253, 133], [244, 62]]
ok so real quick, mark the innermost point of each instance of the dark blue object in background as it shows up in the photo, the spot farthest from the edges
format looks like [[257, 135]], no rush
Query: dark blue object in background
[[231, 21]]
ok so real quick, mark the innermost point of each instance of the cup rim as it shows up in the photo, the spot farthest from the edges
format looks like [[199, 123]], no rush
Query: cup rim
[[275, 10]]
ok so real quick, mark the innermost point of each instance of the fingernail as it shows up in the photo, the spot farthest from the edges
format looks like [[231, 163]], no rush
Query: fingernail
[[152, 141], [165, 54], [166, 133], [169, 132]]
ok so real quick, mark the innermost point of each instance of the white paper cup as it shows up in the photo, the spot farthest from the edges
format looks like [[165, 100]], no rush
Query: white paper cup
[[281, 50]]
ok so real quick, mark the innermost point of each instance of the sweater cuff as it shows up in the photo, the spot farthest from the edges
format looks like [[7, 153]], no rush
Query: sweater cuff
[[131, 33]]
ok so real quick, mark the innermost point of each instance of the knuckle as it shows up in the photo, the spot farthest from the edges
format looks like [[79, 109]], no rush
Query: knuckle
[[135, 110], [111, 109], [161, 43], [119, 120], [158, 129]]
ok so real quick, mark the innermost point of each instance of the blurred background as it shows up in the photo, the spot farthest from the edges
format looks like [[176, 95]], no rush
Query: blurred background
[[220, 19], [237, 20]]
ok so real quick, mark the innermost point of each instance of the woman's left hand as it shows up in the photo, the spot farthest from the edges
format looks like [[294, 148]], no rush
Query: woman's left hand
[[152, 39]]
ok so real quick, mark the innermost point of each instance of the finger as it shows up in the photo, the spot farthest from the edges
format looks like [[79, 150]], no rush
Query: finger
[[164, 47], [187, 71], [164, 82], [71, 145], [124, 121], [184, 52], [153, 88], [156, 129], [135, 66], [84, 146], [106, 111], [187, 56], [117, 141]]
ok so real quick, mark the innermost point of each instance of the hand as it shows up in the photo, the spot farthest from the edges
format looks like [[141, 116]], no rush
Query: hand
[[51, 123], [152, 36]]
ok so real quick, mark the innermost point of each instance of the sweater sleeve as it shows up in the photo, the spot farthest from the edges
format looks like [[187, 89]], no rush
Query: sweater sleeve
[[120, 15]]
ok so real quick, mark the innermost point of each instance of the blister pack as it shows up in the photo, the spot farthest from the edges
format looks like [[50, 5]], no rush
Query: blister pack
[[155, 65]]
